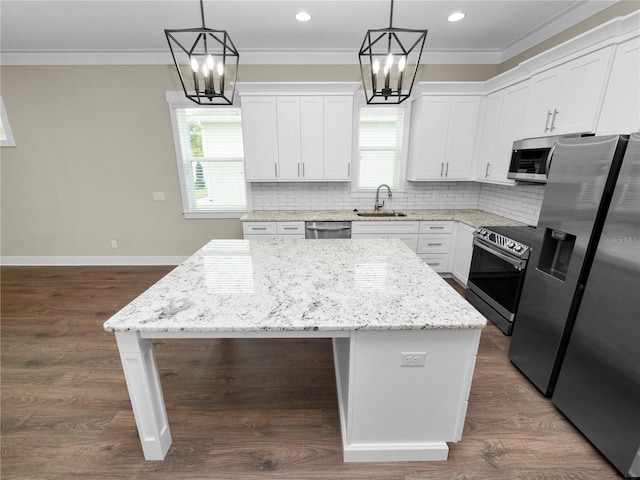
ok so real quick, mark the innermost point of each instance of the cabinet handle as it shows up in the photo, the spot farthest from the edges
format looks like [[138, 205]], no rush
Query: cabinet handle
[[349, 170], [553, 120], [435, 228], [446, 173], [298, 169], [486, 172], [433, 263], [276, 167], [441, 168], [258, 228], [291, 228], [434, 244], [303, 175], [546, 124]]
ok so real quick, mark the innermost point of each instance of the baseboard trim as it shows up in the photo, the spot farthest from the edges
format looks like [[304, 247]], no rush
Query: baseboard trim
[[89, 261], [424, 452]]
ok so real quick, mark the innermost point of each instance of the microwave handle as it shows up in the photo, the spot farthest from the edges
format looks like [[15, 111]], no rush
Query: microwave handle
[[547, 166]]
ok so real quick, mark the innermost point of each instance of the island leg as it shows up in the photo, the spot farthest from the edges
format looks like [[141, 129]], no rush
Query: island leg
[[145, 392]]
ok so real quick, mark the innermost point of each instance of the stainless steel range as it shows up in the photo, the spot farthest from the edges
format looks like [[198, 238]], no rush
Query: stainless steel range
[[498, 266]]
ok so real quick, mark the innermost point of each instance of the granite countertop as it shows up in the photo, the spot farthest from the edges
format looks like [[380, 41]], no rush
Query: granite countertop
[[298, 285], [473, 218]]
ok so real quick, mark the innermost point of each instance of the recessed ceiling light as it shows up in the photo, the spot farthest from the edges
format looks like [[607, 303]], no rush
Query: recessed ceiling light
[[454, 17], [303, 17]]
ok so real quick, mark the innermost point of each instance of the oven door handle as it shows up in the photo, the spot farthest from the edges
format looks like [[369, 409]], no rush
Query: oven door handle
[[518, 264]]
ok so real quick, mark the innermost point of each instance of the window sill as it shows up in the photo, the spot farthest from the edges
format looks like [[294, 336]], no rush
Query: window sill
[[205, 215]]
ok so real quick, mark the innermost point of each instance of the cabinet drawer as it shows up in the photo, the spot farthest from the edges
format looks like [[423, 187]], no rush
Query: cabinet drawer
[[382, 227], [434, 243], [439, 263], [411, 239], [259, 228], [290, 228], [251, 236], [436, 227]]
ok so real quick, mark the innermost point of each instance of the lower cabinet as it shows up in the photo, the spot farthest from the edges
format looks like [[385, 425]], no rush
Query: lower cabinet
[[434, 244], [407, 231], [272, 230], [463, 248]]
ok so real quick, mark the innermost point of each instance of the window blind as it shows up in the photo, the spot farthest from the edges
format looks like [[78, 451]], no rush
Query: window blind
[[212, 158], [380, 141]]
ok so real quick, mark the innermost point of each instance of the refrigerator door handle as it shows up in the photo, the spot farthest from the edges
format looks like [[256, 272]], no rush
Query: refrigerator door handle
[[547, 167]]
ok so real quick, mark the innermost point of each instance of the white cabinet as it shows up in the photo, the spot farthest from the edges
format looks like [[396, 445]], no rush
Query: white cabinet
[[272, 230], [297, 138], [502, 126], [407, 231], [462, 251], [434, 244], [567, 98], [443, 133], [621, 108], [260, 137]]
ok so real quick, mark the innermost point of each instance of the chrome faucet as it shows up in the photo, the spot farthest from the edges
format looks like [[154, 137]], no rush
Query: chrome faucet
[[379, 205]]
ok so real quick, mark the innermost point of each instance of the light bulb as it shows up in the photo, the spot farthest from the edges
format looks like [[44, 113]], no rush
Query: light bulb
[[194, 65], [205, 71], [402, 63], [376, 66], [220, 68], [210, 62], [456, 16], [387, 66]]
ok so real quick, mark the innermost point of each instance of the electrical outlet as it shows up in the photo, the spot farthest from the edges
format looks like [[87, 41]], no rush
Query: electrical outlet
[[158, 196], [114, 244], [412, 359]]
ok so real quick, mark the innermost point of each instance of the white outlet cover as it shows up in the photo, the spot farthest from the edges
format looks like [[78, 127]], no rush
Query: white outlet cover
[[412, 359]]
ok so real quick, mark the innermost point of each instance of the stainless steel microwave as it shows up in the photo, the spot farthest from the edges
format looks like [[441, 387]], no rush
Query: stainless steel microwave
[[531, 158]]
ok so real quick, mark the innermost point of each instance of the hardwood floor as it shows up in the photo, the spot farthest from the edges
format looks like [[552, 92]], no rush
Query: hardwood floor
[[238, 409]]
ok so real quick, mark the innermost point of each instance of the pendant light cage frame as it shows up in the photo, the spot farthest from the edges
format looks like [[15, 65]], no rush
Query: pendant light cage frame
[[383, 81], [216, 58]]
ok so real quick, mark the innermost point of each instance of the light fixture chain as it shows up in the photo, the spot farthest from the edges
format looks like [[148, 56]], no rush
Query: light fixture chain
[[391, 16], [202, 12]]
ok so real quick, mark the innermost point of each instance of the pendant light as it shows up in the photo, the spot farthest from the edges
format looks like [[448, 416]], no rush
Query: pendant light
[[210, 63], [389, 60]]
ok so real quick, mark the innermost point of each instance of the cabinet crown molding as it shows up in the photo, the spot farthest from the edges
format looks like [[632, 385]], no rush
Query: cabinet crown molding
[[297, 88]]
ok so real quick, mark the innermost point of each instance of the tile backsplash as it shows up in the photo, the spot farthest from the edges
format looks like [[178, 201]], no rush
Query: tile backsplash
[[520, 203]]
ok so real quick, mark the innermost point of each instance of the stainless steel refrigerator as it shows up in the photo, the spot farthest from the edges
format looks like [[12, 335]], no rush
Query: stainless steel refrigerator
[[576, 335]]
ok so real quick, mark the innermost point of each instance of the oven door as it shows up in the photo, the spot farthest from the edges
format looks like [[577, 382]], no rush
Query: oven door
[[495, 283]]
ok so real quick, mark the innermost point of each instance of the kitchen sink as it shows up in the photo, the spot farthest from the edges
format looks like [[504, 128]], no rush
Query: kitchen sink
[[381, 214]]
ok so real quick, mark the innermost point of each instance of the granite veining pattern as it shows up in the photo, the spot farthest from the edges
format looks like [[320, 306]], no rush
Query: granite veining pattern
[[298, 285], [473, 218]]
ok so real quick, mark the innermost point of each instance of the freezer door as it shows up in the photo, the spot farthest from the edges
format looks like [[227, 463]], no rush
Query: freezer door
[[598, 387], [569, 217]]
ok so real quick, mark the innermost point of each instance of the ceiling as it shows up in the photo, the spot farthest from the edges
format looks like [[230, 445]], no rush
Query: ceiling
[[265, 32]]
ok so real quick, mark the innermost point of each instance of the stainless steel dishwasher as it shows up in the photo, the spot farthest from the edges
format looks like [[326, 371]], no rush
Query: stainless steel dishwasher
[[316, 230]]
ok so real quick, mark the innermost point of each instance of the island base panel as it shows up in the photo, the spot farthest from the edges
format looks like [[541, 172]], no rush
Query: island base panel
[[145, 392]]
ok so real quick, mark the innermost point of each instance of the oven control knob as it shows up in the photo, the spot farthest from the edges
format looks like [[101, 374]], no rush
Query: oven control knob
[[511, 245], [518, 248]]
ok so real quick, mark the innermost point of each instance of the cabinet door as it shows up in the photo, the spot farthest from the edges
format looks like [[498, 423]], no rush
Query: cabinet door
[[288, 138], [260, 136], [543, 99], [429, 127], [621, 108], [338, 133], [312, 137], [462, 251], [513, 104], [489, 134], [583, 84], [461, 137]]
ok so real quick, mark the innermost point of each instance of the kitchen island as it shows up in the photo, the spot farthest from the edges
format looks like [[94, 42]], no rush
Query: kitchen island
[[404, 341]]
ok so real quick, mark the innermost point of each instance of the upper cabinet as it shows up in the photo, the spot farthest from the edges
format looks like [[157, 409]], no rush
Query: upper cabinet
[[287, 137], [502, 126], [443, 134], [621, 107], [567, 98]]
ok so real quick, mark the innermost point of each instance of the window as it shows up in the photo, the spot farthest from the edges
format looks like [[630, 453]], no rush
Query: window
[[381, 151], [6, 137], [210, 160]]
